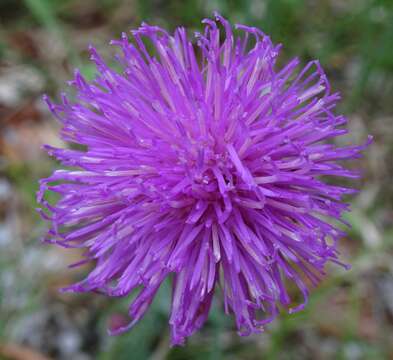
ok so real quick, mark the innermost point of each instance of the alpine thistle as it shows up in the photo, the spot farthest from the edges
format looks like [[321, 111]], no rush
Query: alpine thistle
[[202, 163]]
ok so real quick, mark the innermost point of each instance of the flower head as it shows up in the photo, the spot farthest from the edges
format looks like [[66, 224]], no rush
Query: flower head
[[202, 163]]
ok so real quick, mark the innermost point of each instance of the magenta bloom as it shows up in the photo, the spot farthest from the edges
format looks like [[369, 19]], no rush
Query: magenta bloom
[[203, 163]]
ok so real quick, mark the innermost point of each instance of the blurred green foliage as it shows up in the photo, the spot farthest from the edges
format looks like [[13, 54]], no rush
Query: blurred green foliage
[[327, 30]]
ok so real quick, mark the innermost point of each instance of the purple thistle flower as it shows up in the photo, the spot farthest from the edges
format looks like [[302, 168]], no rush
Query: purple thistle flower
[[203, 162]]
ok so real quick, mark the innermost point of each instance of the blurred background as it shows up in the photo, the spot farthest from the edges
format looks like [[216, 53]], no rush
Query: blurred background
[[350, 315]]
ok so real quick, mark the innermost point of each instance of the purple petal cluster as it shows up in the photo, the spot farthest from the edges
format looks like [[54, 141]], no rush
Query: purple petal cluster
[[202, 162]]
